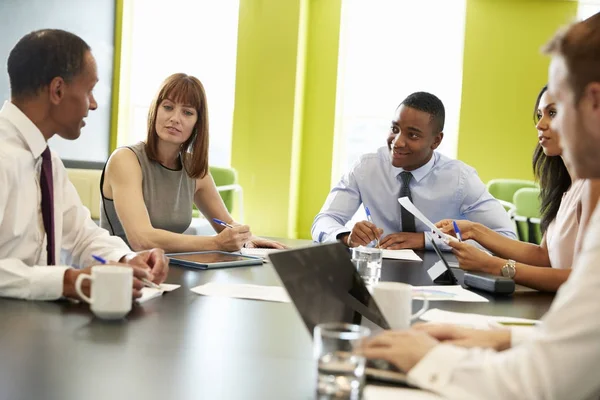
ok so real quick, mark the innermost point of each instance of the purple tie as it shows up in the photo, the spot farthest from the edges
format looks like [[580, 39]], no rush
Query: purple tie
[[47, 186]]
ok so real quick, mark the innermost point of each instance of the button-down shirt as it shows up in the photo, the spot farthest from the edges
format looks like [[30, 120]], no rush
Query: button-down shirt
[[559, 360], [442, 188], [23, 269]]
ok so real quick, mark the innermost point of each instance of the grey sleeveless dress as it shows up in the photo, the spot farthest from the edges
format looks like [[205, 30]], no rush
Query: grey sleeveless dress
[[168, 196]]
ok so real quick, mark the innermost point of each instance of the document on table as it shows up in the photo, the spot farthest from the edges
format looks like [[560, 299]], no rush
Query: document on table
[[410, 207], [243, 291], [405, 254], [258, 252], [447, 293], [474, 320], [151, 293], [372, 392]]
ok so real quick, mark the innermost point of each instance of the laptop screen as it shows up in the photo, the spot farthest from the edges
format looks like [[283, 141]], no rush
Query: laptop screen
[[325, 287]]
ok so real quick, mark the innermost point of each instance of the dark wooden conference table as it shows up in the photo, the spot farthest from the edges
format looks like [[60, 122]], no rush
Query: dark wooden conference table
[[187, 346]]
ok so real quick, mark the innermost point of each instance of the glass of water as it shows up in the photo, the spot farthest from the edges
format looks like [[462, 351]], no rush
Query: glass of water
[[341, 369], [367, 261]]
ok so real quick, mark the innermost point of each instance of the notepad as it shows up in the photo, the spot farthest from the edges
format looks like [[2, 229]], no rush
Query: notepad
[[243, 291], [405, 254], [474, 320], [151, 293]]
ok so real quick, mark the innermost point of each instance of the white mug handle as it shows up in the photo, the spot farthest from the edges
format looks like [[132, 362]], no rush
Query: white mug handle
[[422, 310], [78, 283]]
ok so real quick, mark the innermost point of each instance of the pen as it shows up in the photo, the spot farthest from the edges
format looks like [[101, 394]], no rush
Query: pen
[[222, 223], [145, 281], [371, 221], [507, 323], [457, 231]]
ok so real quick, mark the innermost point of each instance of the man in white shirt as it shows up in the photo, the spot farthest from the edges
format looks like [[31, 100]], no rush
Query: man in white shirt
[[52, 75], [559, 359]]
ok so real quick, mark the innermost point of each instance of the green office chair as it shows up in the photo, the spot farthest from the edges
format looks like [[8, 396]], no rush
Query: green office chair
[[504, 190], [527, 215], [226, 181]]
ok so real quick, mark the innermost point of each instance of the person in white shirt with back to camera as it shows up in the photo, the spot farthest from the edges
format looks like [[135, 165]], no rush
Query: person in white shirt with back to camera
[[52, 75], [560, 358]]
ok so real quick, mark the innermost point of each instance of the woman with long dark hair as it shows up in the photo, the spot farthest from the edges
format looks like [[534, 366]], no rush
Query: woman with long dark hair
[[566, 205]]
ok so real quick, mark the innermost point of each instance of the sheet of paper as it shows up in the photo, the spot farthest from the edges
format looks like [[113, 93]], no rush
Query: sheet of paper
[[243, 291], [151, 293], [473, 320], [372, 392], [169, 287], [447, 293], [256, 252], [410, 207], [405, 254]]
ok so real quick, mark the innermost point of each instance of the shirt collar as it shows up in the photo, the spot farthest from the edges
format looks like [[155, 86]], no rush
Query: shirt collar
[[31, 134], [420, 172]]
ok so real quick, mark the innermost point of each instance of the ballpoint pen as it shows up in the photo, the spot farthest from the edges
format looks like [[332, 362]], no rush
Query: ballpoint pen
[[371, 221], [457, 231], [222, 223], [145, 281]]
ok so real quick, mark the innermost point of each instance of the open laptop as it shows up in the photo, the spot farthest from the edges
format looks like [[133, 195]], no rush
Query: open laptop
[[324, 286]]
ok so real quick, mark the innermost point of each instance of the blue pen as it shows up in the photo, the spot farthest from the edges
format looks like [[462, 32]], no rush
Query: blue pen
[[99, 259], [222, 223], [371, 221], [146, 281], [457, 231]]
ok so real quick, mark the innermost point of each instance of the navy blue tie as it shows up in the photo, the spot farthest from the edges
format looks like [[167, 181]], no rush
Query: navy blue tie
[[408, 220]]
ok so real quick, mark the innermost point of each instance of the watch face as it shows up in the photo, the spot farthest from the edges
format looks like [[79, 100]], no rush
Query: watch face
[[508, 271]]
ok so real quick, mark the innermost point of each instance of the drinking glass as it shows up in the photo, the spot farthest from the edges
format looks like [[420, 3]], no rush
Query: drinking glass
[[367, 261], [341, 368]]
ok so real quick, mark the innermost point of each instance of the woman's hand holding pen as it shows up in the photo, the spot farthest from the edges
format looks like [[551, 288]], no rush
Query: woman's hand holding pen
[[233, 238], [363, 233], [468, 229]]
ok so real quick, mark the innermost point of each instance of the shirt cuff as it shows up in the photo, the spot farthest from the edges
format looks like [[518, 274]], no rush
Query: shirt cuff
[[334, 235], [113, 255], [434, 370], [520, 334], [47, 282]]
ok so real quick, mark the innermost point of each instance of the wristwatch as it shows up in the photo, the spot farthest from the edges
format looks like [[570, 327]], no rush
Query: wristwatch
[[509, 269]]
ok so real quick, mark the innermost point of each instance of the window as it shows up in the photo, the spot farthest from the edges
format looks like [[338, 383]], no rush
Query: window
[[389, 49], [587, 8], [196, 37]]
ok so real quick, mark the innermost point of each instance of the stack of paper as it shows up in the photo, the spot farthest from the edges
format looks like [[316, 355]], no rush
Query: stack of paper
[[243, 291]]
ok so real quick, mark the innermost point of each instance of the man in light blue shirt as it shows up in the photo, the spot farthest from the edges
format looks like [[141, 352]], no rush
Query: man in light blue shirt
[[409, 166]]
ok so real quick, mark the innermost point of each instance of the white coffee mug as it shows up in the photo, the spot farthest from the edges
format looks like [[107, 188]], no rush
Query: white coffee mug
[[110, 292], [395, 302]]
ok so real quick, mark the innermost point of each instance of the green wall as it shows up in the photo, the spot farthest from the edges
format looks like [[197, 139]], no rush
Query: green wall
[[319, 111], [268, 98], [503, 72], [285, 111]]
